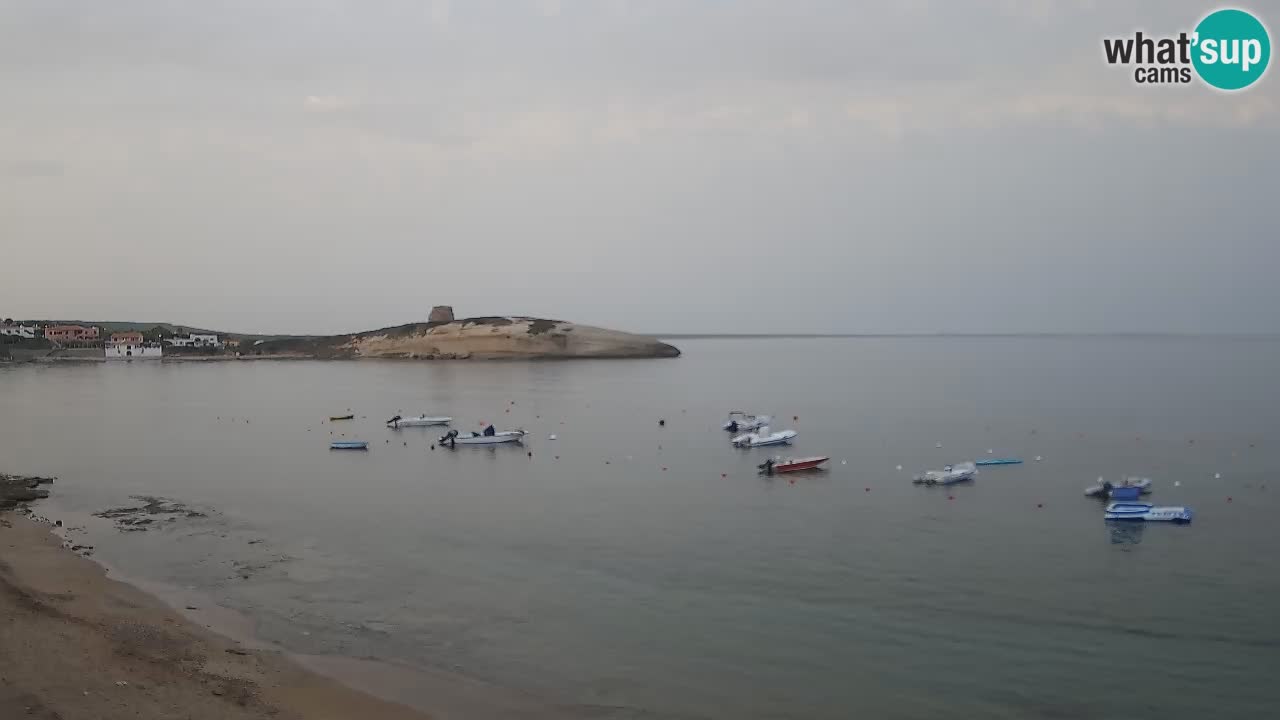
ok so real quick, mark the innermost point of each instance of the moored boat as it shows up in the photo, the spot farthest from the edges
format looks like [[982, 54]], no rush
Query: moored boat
[[349, 445], [764, 438], [418, 421], [786, 465], [739, 421], [333, 418], [1108, 489], [1148, 512], [453, 437], [999, 461], [948, 475]]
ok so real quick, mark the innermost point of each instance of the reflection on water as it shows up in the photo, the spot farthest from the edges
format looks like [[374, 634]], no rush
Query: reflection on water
[[1125, 532]]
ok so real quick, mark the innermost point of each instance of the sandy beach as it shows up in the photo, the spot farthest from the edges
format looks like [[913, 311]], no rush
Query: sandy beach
[[77, 644]]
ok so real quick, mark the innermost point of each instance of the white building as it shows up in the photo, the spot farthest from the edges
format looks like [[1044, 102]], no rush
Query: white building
[[134, 351], [22, 331], [194, 340]]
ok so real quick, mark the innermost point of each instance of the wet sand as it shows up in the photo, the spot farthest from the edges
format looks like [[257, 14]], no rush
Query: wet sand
[[77, 644]]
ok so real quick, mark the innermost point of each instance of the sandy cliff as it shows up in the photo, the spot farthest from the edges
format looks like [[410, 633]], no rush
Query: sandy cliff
[[502, 337]]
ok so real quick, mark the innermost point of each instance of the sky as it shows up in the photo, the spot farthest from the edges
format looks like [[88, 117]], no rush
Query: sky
[[327, 166]]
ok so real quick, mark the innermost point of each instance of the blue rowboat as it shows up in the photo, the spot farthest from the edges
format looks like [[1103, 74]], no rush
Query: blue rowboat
[[348, 445], [1000, 461]]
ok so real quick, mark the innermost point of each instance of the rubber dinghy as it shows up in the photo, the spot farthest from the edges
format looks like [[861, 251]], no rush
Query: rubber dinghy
[[764, 438], [1147, 512], [948, 475], [1106, 488], [453, 437], [417, 421]]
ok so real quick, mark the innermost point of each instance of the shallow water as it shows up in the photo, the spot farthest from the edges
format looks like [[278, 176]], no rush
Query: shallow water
[[628, 570]]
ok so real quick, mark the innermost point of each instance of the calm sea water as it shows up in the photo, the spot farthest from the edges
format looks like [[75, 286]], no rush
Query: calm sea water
[[628, 570]]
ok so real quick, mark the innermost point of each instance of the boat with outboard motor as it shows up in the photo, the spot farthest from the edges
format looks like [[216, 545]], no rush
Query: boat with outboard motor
[[785, 465], [948, 475], [417, 421], [764, 438], [453, 437], [1148, 512], [741, 421], [1108, 489]]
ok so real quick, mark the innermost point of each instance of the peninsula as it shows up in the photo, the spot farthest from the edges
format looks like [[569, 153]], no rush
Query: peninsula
[[441, 337]]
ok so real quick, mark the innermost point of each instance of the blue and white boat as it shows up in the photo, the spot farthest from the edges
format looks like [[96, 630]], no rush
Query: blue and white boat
[[1148, 512], [1107, 489], [1000, 461], [348, 445]]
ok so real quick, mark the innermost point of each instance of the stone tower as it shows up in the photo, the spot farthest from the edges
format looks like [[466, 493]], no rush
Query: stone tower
[[441, 314]]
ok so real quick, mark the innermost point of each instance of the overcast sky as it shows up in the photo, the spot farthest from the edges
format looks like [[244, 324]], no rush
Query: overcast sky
[[649, 165]]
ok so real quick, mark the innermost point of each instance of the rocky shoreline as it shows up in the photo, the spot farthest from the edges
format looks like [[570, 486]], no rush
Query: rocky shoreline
[[16, 489]]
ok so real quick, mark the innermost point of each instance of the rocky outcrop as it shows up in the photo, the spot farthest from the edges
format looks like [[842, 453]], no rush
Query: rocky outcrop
[[503, 337], [441, 314], [16, 489]]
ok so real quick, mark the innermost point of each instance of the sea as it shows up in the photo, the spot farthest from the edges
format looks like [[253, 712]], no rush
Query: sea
[[627, 562]]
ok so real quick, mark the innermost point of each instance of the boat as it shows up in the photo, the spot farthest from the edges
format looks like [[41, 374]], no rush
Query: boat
[[785, 465], [453, 437], [949, 475], [999, 461], [333, 418], [763, 438], [417, 421], [1107, 489], [348, 445], [741, 421], [1147, 512]]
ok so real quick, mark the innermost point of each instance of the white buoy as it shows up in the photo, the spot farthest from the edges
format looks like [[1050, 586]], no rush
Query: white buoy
[[1217, 476], [1100, 481], [899, 467], [989, 451], [1177, 483], [552, 436], [1038, 458], [844, 462], [938, 445]]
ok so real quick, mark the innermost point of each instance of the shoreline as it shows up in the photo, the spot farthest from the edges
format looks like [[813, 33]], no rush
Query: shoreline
[[77, 642]]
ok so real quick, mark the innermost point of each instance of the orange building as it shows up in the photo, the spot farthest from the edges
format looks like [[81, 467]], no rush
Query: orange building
[[132, 337], [71, 333]]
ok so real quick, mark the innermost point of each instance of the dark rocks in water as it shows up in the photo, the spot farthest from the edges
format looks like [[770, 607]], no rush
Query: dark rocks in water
[[136, 518]]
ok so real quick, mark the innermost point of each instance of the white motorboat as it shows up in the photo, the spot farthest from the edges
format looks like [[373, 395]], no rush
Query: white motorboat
[[1148, 512], [417, 421], [453, 437], [1106, 488], [744, 422], [763, 438], [949, 475]]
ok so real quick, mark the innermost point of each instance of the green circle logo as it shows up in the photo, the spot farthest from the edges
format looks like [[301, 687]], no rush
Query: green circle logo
[[1232, 49]]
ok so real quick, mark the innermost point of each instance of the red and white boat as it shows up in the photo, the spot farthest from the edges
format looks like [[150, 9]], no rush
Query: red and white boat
[[785, 465]]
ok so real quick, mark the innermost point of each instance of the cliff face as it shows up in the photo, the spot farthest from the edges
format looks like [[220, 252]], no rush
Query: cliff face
[[502, 337]]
